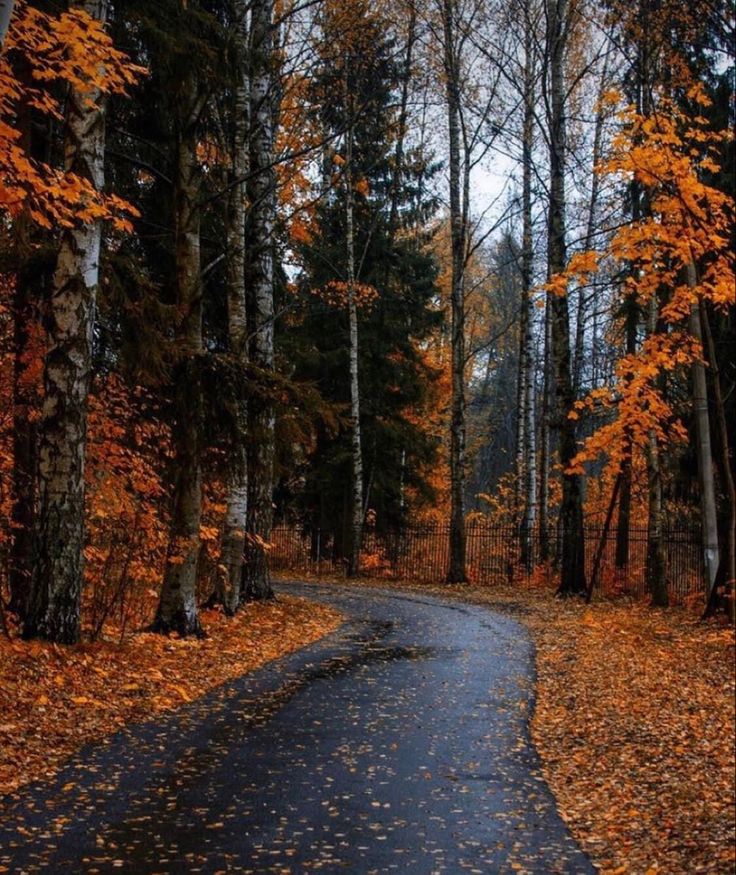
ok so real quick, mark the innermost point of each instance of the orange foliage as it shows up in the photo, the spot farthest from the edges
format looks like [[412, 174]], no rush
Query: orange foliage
[[690, 224], [74, 49], [337, 294], [127, 526]]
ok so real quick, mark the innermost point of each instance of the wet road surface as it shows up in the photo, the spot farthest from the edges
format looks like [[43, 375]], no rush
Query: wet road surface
[[399, 743]]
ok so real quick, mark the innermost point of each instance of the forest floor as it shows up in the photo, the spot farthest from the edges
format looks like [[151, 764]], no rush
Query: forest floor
[[53, 699], [635, 726]]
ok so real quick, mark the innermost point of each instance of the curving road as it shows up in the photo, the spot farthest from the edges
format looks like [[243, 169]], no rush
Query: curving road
[[399, 743]]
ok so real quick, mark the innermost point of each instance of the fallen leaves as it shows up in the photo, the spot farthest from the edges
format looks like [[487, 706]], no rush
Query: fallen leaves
[[635, 726], [54, 700]]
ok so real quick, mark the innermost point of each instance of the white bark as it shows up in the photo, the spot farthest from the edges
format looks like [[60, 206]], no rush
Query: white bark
[[233, 542], [55, 601], [263, 207], [356, 515], [527, 443]]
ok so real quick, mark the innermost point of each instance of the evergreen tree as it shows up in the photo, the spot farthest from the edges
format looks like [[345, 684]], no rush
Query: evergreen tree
[[394, 290]]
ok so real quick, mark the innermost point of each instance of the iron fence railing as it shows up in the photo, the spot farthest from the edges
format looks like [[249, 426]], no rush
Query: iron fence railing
[[494, 554]]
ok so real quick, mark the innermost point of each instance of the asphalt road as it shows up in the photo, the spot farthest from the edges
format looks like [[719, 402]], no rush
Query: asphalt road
[[398, 744]]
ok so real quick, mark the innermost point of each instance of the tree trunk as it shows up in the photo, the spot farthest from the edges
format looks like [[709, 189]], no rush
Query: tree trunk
[[572, 560], [545, 440], [356, 505], [262, 189], [401, 136], [456, 572], [177, 609], [728, 559], [656, 561], [623, 525], [54, 608], [227, 591], [527, 462], [709, 519], [583, 300]]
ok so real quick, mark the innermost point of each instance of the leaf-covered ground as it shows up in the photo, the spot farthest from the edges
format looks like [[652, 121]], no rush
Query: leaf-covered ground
[[53, 699], [634, 722]]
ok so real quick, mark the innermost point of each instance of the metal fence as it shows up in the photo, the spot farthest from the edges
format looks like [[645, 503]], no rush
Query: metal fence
[[493, 555]]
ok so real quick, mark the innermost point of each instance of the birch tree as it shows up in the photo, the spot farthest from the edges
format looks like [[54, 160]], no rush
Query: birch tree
[[228, 589], [54, 609], [526, 442], [262, 196], [356, 516]]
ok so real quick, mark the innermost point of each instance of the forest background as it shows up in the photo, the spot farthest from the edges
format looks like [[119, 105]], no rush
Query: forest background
[[249, 279]]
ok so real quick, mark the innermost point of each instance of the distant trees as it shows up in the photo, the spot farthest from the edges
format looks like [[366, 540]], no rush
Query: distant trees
[[365, 291]]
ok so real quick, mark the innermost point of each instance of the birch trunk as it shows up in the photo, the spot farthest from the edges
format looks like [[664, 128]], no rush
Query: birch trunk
[[456, 572], [356, 505], [572, 560], [527, 462], [545, 449], [262, 189], [227, 592], [709, 518], [177, 609], [54, 608]]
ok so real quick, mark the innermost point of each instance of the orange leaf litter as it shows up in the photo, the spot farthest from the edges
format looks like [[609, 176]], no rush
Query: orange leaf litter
[[53, 699]]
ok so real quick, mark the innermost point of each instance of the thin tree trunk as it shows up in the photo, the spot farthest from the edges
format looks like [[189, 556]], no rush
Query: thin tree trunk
[[177, 609], [623, 524], [728, 558], [261, 418], [572, 565], [603, 538], [54, 609], [656, 561], [401, 137], [709, 519], [356, 505], [227, 592], [456, 572], [527, 462], [545, 441], [583, 299]]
